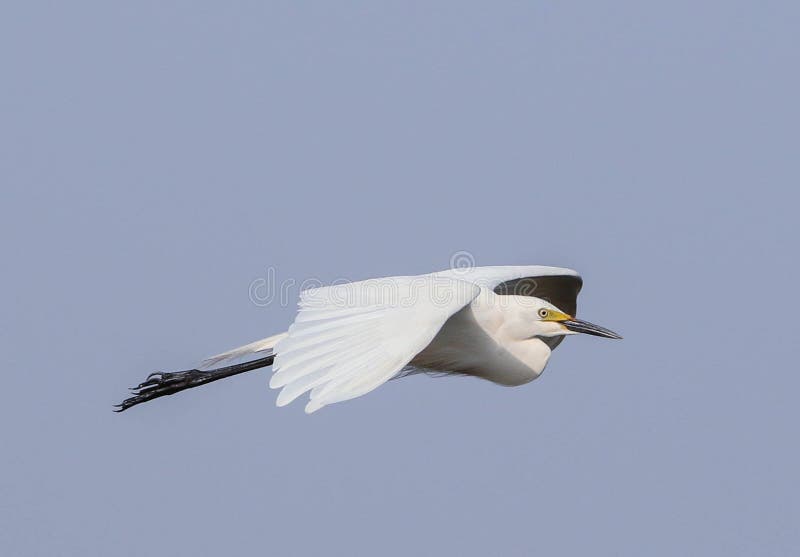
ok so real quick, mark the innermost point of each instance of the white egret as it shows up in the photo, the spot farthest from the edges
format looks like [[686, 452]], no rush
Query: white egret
[[497, 323]]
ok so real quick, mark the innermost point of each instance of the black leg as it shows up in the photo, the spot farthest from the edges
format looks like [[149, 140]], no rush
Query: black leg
[[163, 383]]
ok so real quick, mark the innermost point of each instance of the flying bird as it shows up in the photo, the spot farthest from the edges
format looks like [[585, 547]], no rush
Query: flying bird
[[497, 323]]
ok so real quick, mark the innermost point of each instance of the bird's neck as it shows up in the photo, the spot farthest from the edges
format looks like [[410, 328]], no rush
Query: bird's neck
[[533, 352]]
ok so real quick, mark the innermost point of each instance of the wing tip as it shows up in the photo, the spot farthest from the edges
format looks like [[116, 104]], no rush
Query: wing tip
[[275, 382], [313, 406]]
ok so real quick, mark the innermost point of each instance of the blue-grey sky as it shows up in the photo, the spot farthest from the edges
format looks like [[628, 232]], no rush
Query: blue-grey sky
[[156, 158]]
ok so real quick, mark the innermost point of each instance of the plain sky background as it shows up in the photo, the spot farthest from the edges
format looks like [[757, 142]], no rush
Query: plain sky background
[[158, 157]]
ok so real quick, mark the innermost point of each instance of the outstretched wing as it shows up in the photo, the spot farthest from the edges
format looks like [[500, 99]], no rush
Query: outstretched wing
[[349, 339]]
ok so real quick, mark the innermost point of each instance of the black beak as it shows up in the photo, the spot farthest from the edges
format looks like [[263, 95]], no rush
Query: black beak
[[580, 326]]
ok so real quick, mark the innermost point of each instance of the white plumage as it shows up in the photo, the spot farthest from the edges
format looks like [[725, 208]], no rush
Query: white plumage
[[497, 323], [349, 339]]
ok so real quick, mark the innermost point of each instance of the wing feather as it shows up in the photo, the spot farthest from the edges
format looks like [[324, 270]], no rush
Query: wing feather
[[349, 339]]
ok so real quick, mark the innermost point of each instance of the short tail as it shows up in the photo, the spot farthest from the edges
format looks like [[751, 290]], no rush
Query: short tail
[[257, 347]]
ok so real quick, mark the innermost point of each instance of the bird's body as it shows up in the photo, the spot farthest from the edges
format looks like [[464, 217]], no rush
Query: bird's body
[[496, 323]]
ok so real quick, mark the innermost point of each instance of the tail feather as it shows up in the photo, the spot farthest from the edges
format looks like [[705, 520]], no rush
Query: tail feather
[[263, 345]]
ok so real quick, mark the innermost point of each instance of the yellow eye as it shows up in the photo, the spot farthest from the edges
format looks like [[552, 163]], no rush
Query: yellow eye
[[543, 313]]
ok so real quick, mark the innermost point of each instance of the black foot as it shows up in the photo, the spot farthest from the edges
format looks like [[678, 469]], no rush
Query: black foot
[[163, 383]]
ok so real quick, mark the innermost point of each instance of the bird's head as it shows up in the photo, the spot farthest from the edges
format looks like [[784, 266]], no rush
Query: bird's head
[[551, 322]]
